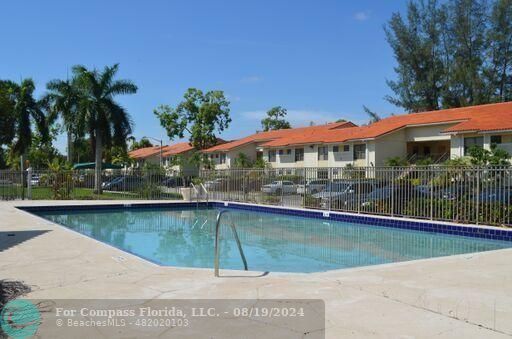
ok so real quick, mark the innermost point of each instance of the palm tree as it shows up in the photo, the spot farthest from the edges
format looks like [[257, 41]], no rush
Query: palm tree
[[63, 99], [107, 122], [26, 110]]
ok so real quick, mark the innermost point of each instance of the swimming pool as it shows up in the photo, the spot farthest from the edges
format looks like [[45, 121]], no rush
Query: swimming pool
[[183, 236]]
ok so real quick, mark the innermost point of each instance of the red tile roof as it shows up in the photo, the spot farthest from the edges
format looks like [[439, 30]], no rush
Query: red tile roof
[[145, 152], [178, 148], [277, 134], [491, 117]]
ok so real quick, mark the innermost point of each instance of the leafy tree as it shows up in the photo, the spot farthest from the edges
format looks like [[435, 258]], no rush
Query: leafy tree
[[7, 118], [275, 119], [42, 150], [243, 161], [118, 155], [481, 157], [142, 143], [27, 111], [259, 163], [374, 117], [466, 46], [108, 122], [451, 54], [63, 98], [416, 43], [396, 162], [499, 35], [200, 115], [83, 150]]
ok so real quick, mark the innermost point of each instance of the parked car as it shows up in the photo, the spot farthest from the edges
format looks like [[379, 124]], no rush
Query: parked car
[[173, 182], [125, 183], [494, 195], [110, 181], [215, 184], [313, 186], [280, 186], [35, 180], [339, 193]]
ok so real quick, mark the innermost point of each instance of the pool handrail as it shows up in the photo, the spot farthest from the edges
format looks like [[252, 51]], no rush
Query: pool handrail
[[205, 191], [235, 234]]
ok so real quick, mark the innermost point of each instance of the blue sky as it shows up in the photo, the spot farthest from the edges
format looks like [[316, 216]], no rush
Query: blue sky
[[322, 60]]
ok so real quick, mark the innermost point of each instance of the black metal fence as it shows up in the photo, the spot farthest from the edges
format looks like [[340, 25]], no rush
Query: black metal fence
[[467, 195], [80, 185], [480, 195]]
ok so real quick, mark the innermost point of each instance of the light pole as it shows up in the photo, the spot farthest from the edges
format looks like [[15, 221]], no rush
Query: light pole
[[161, 146]]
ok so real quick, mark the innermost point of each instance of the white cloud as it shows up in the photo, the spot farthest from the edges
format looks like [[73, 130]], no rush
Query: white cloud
[[362, 16], [252, 79], [299, 118]]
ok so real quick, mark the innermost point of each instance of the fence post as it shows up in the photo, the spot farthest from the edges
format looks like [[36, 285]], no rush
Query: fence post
[[329, 174], [477, 194], [29, 183], [431, 192], [392, 191], [304, 185]]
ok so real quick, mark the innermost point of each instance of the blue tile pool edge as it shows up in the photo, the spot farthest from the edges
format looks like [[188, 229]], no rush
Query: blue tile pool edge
[[475, 231]]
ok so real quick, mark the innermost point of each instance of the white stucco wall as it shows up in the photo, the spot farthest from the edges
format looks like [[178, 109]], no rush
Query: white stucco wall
[[426, 133], [388, 146]]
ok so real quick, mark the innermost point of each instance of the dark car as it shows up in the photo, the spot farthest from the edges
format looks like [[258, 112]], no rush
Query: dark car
[[494, 195], [339, 194], [173, 182], [110, 181], [395, 193]]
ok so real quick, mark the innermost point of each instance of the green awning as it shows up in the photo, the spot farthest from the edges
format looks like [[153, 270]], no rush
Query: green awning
[[91, 165]]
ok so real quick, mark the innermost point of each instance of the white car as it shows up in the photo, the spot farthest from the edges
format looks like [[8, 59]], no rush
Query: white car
[[215, 184], [312, 187], [278, 187], [34, 180]]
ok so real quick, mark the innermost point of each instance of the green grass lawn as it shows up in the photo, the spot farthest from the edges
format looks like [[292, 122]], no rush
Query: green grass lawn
[[45, 193]]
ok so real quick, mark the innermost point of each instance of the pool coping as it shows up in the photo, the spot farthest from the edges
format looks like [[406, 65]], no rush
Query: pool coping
[[430, 226], [29, 209]]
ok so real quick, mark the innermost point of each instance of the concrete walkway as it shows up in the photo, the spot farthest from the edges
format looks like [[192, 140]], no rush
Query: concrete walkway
[[465, 296]]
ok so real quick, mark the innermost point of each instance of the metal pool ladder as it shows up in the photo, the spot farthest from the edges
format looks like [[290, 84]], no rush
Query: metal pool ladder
[[235, 234]]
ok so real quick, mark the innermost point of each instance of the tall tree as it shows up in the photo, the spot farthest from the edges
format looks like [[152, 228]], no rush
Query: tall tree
[[374, 117], [499, 35], [142, 143], [108, 122], [416, 44], [467, 45], [63, 98], [27, 110], [7, 121], [200, 115], [275, 119]]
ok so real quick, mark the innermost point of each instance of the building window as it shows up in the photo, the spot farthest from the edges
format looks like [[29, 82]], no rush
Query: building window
[[281, 152], [217, 156], [360, 152], [322, 174], [495, 139], [299, 154], [288, 152], [272, 156], [335, 149], [472, 141], [222, 158], [323, 153], [346, 148]]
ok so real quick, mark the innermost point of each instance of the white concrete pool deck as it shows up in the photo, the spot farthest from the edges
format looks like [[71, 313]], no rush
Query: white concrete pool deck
[[465, 296]]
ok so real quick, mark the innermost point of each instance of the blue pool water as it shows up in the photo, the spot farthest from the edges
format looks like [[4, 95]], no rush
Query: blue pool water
[[271, 242]]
